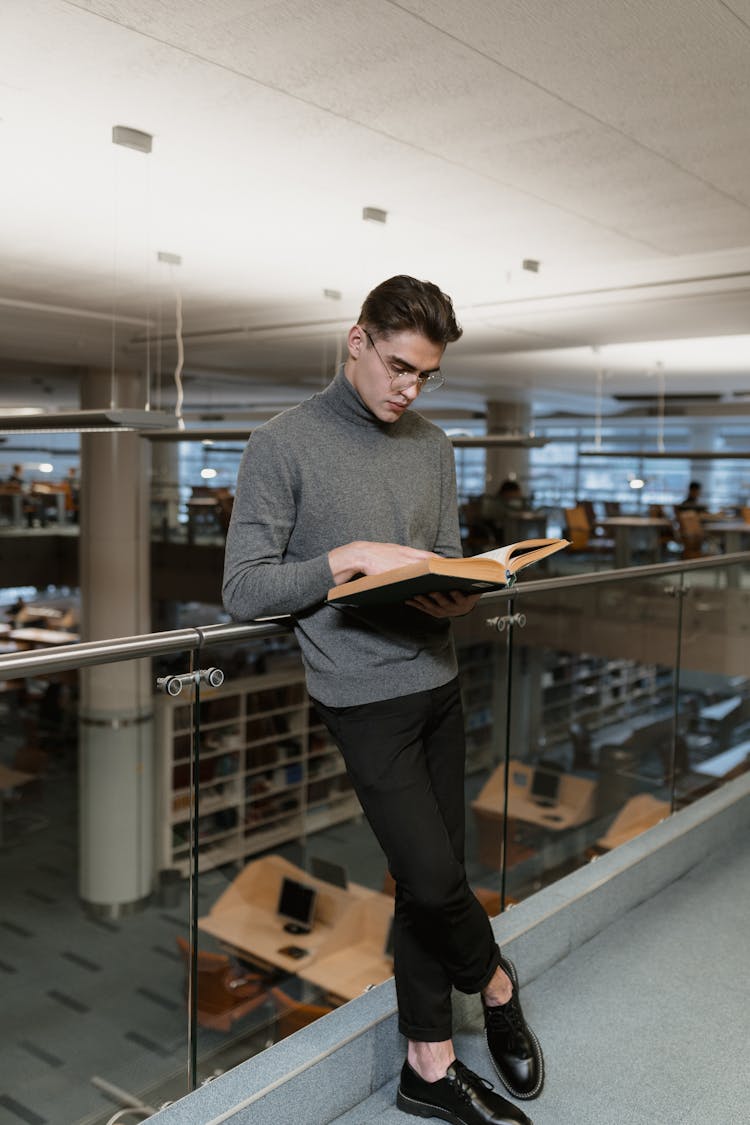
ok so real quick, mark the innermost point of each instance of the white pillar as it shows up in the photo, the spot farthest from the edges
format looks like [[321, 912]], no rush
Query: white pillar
[[507, 417], [165, 486], [116, 768]]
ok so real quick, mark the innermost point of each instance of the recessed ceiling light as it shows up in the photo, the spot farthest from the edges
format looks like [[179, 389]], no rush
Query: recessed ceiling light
[[374, 214]]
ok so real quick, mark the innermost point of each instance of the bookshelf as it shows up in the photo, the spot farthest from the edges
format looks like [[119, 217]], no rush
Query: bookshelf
[[595, 691], [269, 772], [480, 680]]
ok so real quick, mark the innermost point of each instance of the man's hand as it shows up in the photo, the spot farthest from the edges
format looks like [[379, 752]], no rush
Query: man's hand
[[452, 604], [363, 557]]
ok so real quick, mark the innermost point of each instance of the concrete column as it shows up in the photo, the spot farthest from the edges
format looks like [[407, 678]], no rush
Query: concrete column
[[165, 487], [116, 769], [505, 417]]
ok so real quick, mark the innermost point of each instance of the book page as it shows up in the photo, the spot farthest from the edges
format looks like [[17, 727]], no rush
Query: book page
[[497, 554], [530, 551]]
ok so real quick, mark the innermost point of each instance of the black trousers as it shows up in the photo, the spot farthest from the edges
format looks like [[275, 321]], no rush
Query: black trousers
[[405, 757]]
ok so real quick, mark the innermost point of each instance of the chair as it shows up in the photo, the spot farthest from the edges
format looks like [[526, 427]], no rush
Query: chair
[[580, 737], [292, 1015], [580, 532], [588, 507], [612, 508], [577, 528], [224, 995], [666, 535]]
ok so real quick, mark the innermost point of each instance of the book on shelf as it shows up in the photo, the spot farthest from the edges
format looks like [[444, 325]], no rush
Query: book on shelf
[[475, 575]]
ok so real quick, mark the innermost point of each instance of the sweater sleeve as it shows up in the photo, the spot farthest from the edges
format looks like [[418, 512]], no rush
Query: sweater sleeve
[[448, 541], [258, 582]]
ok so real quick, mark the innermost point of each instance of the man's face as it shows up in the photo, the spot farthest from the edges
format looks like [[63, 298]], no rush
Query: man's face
[[371, 365]]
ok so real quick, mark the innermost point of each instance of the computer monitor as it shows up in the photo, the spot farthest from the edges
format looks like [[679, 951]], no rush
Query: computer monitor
[[296, 905], [334, 873], [545, 786]]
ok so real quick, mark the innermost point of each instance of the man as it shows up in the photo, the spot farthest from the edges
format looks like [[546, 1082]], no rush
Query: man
[[351, 482], [693, 502]]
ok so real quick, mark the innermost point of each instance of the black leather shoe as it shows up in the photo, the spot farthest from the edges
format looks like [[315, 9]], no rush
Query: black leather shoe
[[461, 1097], [514, 1047]]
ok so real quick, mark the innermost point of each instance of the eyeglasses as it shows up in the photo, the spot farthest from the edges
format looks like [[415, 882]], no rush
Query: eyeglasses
[[403, 379]]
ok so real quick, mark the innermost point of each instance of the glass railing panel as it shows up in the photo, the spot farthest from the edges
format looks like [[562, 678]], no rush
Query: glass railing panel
[[269, 781], [714, 684], [481, 667], [296, 820], [590, 723], [94, 1000]]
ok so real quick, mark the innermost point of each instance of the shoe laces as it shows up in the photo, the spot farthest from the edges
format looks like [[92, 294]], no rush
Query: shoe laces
[[466, 1081], [506, 1017]]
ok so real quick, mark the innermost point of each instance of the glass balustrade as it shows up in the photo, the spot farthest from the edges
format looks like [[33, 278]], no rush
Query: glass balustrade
[[94, 1010], [189, 879]]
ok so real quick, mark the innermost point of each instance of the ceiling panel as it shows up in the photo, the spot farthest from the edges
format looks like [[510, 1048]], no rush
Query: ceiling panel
[[610, 142]]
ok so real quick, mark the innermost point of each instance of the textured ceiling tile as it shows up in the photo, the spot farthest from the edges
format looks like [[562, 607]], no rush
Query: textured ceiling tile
[[674, 77]]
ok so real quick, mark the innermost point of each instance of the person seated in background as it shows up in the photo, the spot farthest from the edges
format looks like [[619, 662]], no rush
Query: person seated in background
[[499, 509], [13, 612], [692, 502], [510, 495], [16, 482]]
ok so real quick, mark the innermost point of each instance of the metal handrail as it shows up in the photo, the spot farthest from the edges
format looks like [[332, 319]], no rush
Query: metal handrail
[[88, 653], [66, 657]]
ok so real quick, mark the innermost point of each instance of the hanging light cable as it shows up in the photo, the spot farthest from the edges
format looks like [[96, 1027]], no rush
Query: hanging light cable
[[660, 409], [173, 260], [598, 406]]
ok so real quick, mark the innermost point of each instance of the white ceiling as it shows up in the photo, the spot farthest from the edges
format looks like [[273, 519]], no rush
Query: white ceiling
[[609, 141]]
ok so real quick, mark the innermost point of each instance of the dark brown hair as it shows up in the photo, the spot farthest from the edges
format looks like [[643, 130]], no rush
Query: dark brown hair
[[403, 304]]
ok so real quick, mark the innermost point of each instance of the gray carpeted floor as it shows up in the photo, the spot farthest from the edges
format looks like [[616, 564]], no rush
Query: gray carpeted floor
[[648, 1023]]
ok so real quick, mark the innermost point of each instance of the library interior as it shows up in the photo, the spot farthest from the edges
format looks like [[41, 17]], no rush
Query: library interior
[[188, 876]]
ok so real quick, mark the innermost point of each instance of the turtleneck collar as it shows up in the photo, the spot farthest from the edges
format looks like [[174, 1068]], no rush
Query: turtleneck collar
[[342, 398]]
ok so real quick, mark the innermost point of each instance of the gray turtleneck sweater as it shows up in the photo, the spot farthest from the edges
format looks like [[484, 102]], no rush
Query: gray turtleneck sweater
[[320, 475]]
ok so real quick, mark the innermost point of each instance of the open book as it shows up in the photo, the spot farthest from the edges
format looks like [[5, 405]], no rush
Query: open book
[[474, 575]]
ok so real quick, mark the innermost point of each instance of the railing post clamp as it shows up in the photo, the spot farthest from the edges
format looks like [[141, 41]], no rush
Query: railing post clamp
[[173, 685], [502, 623]]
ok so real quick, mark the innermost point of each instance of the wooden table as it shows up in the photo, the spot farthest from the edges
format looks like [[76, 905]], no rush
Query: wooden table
[[41, 638], [624, 527], [360, 959], [349, 927], [637, 815], [722, 709], [574, 806], [722, 764], [735, 533]]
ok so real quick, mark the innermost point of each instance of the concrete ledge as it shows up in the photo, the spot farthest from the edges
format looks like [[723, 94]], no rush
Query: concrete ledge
[[339, 1061]]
